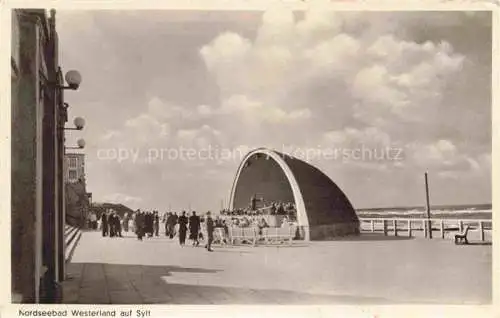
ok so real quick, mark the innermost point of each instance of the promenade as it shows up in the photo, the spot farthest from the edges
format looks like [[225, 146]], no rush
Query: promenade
[[371, 269]]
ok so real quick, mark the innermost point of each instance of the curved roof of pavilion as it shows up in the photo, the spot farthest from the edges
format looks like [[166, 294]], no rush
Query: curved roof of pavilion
[[319, 201]]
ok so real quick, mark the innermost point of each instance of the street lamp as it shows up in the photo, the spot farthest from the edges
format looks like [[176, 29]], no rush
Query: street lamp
[[79, 123], [80, 144], [71, 81], [74, 79]]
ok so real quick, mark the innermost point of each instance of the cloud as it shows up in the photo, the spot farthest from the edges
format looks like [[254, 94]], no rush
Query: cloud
[[445, 158], [332, 79], [369, 78], [369, 136]]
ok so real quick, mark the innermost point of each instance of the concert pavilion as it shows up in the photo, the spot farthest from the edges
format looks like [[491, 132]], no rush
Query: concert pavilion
[[323, 210]]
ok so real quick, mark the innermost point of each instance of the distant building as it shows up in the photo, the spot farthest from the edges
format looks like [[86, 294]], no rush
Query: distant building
[[78, 200], [120, 209], [74, 168]]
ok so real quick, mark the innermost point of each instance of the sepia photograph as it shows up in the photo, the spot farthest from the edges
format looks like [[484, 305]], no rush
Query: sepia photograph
[[250, 157]]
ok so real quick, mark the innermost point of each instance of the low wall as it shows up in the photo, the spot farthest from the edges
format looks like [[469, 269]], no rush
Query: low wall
[[328, 231], [316, 232]]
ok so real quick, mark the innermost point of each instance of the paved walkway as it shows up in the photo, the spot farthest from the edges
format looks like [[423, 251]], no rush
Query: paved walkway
[[371, 269]]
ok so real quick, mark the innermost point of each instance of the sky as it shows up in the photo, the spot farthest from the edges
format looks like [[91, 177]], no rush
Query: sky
[[173, 100]]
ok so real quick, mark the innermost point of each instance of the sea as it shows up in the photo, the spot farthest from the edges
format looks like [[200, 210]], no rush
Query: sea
[[472, 211]]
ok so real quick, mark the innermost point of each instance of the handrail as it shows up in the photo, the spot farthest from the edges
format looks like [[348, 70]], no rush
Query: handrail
[[427, 225], [425, 219]]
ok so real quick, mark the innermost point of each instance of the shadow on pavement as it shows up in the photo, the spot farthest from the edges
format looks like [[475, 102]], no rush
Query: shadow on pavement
[[240, 296], [262, 245], [98, 283], [371, 237], [479, 243]]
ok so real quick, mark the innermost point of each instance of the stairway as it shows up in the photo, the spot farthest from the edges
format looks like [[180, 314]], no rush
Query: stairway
[[72, 235]]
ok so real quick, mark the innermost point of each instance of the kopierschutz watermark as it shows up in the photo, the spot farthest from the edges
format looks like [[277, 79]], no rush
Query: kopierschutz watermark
[[343, 154]]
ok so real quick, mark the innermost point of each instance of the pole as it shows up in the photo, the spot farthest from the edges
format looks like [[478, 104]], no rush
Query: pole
[[428, 207]]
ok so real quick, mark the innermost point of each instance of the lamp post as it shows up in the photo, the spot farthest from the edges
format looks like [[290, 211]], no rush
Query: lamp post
[[428, 207], [80, 144], [73, 80]]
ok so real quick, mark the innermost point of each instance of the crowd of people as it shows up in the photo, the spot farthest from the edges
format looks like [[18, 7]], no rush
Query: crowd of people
[[111, 224], [146, 224], [273, 208]]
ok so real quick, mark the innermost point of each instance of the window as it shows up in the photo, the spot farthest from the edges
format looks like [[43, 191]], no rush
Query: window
[[72, 163], [72, 174]]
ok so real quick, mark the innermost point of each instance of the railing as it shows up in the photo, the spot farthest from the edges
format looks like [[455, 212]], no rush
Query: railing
[[72, 236], [409, 225]]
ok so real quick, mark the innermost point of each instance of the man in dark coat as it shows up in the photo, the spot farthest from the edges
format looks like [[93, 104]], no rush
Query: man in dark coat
[[104, 223], [139, 224], [281, 209], [168, 225], [118, 221], [183, 221], [210, 232], [148, 223], [112, 224], [194, 228]]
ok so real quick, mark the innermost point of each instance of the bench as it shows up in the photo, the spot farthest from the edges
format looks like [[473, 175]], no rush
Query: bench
[[462, 237], [245, 234], [278, 235]]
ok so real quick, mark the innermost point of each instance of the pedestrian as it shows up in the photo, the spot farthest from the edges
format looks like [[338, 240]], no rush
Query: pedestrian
[[118, 225], [194, 228], [175, 219], [226, 231], [168, 225], [148, 225], [93, 221], [210, 232], [125, 221], [131, 223], [104, 222], [151, 224], [183, 221], [113, 224], [171, 224], [157, 223], [139, 224]]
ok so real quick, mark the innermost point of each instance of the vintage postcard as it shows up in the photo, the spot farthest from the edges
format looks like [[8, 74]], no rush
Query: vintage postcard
[[248, 154]]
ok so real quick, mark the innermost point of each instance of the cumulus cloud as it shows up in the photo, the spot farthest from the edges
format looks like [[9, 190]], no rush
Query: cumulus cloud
[[378, 78], [332, 79], [446, 158], [382, 86]]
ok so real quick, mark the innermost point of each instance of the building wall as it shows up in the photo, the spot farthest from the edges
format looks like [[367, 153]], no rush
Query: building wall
[[34, 197], [77, 203], [74, 167], [26, 161]]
